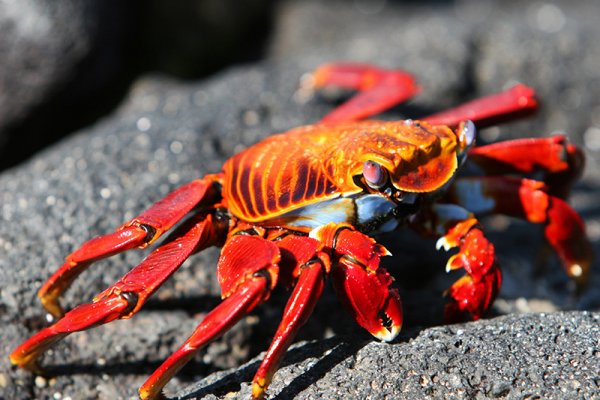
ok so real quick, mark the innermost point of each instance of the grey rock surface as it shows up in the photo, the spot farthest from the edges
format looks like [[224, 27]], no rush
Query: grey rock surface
[[168, 132], [547, 356]]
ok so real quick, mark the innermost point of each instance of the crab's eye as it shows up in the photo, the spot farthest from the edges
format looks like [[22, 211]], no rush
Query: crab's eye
[[375, 175], [468, 134]]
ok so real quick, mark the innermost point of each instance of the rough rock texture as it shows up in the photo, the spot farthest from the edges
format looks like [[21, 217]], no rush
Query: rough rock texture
[[168, 132], [548, 356]]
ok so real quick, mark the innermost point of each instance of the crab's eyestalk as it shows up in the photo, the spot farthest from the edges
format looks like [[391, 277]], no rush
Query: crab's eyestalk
[[466, 133]]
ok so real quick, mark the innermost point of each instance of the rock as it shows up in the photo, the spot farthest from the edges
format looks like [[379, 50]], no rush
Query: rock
[[59, 63], [167, 132], [64, 64], [548, 356]]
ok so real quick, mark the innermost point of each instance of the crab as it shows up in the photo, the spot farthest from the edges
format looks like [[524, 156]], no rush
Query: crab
[[303, 206]]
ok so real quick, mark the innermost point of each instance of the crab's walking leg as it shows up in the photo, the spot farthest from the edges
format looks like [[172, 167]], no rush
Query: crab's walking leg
[[516, 102], [248, 270], [310, 266], [82, 317], [560, 162], [476, 290], [139, 232], [300, 306], [217, 322], [379, 89], [529, 199], [125, 297]]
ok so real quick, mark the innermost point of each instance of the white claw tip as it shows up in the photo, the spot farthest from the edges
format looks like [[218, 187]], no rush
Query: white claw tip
[[387, 336], [442, 242], [385, 252]]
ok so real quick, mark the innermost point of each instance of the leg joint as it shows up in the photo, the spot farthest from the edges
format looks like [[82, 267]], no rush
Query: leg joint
[[150, 231], [132, 299]]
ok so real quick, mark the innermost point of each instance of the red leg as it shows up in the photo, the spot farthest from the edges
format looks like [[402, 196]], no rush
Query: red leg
[[215, 324], [516, 102], [379, 89], [560, 162], [139, 232], [253, 261], [474, 293], [82, 317], [528, 199], [299, 307], [126, 296]]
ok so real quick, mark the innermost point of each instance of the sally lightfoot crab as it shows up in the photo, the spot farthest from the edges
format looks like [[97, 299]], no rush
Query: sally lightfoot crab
[[302, 206]]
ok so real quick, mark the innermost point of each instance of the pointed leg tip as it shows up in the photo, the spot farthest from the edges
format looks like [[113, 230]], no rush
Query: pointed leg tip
[[445, 243], [150, 394], [579, 273], [258, 389], [455, 262], [576, 270], [320, 76], [15, 359], [30, 363], [51, 305]]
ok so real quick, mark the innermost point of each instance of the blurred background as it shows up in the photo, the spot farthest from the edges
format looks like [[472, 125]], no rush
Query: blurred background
[[66, 63]]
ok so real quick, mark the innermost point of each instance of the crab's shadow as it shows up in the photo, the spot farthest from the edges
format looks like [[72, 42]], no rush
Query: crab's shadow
[[328, 353]]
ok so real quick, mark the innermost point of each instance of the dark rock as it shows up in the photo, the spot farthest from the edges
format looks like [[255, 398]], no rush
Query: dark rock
[[64, 64], [168, 132], [59, 64], [516, 356]]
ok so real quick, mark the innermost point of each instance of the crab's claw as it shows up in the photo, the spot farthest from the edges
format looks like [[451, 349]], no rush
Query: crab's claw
[[364, 287], [367, 295]]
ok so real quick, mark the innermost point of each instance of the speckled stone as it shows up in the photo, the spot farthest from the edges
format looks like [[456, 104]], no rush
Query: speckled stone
[[549, 356], [167, 132]]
